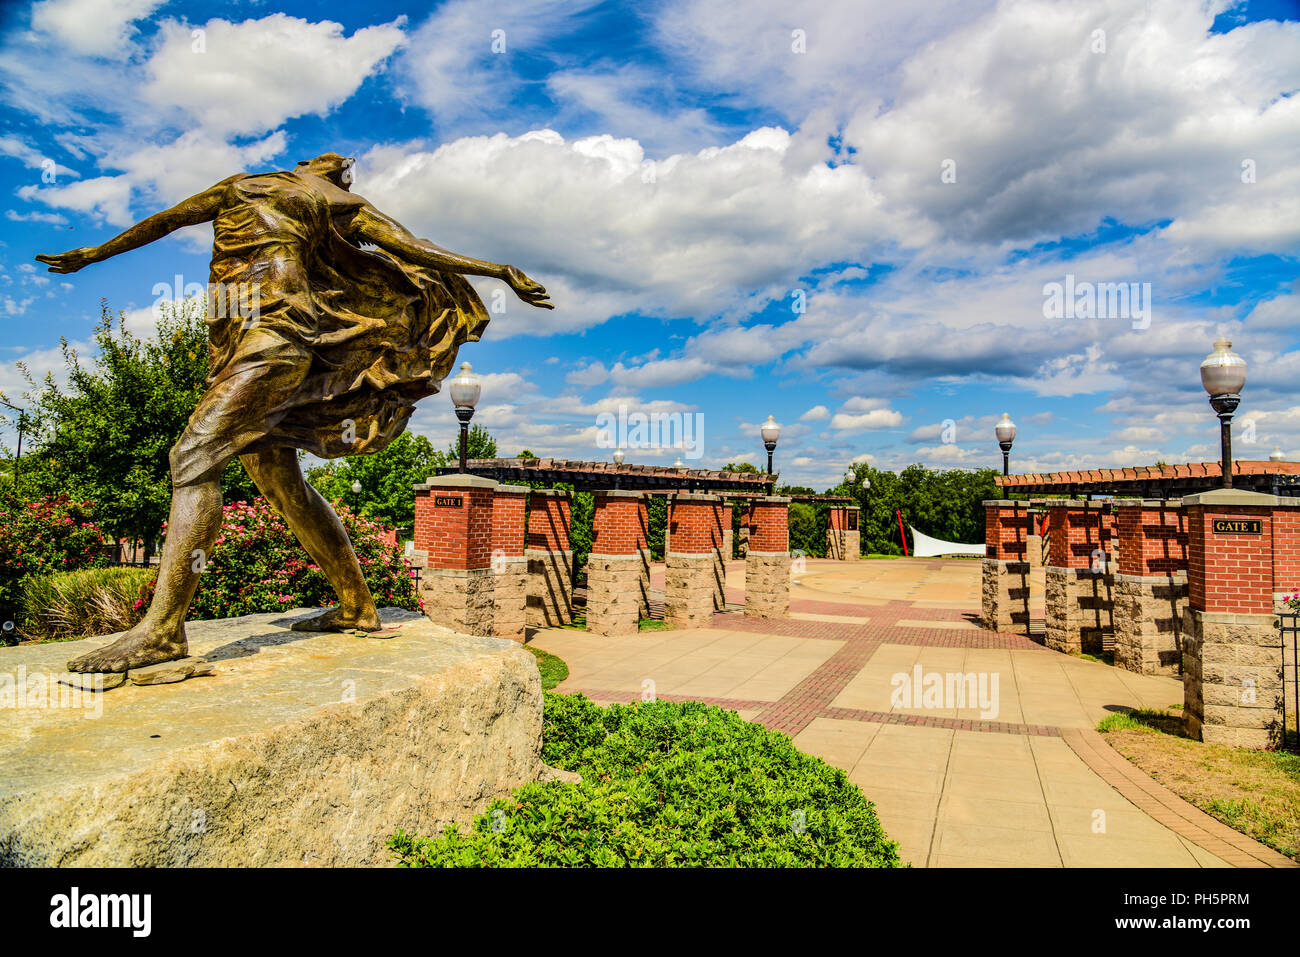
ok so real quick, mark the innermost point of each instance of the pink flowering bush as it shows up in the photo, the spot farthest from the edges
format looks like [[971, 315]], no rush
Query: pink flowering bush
[[43, 537], [257, 565]]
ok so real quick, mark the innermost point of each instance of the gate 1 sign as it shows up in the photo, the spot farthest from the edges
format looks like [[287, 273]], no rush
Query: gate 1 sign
[[1238, 526], [448, 501]]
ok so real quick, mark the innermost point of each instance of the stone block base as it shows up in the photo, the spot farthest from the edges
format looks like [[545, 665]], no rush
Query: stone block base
[[689, 589], [510, 597], [767, 584], [719, 581], [459, 599], [1148, 618], [1034, 550], [614, 594], [644, 592], [728, 544], [1232, 679], [301, 749], [1004, 599], [550, 588], [843, 545], [1078, 605]]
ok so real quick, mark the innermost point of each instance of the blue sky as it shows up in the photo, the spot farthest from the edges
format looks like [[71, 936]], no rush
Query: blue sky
[[842, 214]]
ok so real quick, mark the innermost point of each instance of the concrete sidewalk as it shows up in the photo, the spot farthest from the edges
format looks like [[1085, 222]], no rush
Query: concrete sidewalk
[[956, 783]]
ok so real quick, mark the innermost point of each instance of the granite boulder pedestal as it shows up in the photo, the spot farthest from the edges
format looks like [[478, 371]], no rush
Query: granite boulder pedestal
[[298, 749]]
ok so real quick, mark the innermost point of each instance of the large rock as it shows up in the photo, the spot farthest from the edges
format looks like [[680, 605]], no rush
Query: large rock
[[300, 748]]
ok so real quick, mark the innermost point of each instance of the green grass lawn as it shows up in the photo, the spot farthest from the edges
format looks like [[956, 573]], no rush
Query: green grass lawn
[[553, 669], [1255, 792]]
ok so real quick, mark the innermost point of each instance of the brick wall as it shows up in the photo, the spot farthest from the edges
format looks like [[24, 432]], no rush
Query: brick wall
[[1286, 550], [769, 524], [1005, 528], [837, 519], [693, 524], [1226, 572], [1074, 533], [509, 511], [548, 520], [457, 533], [616, 527], [1152, 539]]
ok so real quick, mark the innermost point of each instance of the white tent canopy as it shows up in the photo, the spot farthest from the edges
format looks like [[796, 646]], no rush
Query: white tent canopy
[[923, 546]]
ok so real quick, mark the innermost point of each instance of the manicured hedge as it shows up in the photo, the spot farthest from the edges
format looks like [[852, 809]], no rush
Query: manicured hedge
[[667, 785]]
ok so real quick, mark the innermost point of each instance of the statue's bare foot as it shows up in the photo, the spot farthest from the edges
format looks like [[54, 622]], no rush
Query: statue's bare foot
[[139, 647], [336, 619]]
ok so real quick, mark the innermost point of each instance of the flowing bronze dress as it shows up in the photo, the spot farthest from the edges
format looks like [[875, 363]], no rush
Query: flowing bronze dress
[[345, 339]]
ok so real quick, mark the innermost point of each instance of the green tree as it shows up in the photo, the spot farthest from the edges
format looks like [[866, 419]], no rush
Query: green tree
[[105, 435], [387, 478], [479, 444]]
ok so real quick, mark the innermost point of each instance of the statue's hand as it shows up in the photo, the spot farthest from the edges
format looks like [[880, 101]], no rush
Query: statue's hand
[[533, 293], [70, 261]]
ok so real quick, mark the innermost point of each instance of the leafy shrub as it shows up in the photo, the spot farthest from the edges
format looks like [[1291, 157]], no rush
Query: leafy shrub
[[39, 538], [81, 604], [667, 785], [258, 566]]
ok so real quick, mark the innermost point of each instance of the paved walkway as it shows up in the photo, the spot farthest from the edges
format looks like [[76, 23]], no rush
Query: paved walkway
[[1006, 779]]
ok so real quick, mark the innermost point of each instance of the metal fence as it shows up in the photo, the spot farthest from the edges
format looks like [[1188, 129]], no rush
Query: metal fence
[[1289, 628]]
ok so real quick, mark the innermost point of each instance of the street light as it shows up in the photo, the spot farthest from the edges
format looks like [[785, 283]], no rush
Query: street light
[[465, 390], [619, 455], [1005, 430], [1223, 373], [770, 432], [356, 495], [1277, 455]]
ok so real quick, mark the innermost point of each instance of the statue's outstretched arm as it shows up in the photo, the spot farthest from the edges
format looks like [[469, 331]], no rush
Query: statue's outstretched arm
[[372, 226], [197, 209]]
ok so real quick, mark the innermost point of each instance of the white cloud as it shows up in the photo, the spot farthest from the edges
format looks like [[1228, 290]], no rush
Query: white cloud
[[254, 75], [816, 414], [875, 419], [92, 27]]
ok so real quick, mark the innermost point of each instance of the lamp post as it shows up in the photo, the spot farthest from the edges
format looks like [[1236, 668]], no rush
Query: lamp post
[[619, 455], [465, 390], [356, 496], [1005, 430], [1223, 373], [770, 432], [1277, 455]]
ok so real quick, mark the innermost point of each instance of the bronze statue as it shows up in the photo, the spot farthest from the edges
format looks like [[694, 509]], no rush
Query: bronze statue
[[344, 339]]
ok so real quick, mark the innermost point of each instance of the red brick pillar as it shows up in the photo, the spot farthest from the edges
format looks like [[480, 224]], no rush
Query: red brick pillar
[[728, 536], [614, 568], [691, 559], [746, 520], [643, 547], [1149, 585], [1232, 649], [1077, 576], [767, 561], [716, 529], [550, 559], [453, 542], [837, 521], [509, 565], [1005, 572]]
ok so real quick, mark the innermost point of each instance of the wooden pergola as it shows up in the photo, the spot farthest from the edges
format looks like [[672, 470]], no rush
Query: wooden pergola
[[1159, 481], [656, 479]]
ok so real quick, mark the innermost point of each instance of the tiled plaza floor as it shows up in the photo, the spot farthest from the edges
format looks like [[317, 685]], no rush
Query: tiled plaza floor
[[991, 785]]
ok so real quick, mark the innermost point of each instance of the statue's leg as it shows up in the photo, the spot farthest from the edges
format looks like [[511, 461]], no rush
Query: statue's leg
[[279, 478], [193, 526], [239, 408]]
